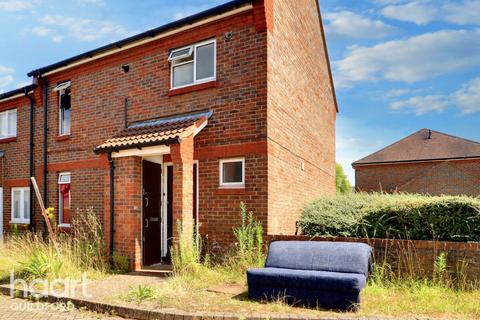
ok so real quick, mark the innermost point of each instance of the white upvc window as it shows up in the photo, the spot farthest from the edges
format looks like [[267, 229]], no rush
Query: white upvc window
[[64, 111], [64, 203], [232, 173], [8, 124], [20, 205], [193, 64]]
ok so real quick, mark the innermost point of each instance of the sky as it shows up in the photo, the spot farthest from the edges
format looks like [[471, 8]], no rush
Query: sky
[[398, 65]]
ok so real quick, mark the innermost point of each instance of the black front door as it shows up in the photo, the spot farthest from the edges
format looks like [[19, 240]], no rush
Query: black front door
[[151, 221]]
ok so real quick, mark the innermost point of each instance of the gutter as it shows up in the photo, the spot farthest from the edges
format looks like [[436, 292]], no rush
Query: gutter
[[31, 159], [413, 161], [218, 12], [45, 142]]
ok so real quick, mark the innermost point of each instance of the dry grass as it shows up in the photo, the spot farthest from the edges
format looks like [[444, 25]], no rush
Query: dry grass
[[415, 298]]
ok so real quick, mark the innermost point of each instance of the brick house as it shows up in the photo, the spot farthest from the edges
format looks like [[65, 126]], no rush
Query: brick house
[[179, 123], [427, 162]]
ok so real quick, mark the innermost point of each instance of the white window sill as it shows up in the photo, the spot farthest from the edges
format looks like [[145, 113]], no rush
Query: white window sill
[[63, 225], [194, 83], [20, 221], [232, 186]]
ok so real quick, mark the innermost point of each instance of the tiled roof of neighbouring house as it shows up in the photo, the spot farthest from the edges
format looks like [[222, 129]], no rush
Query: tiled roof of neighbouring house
[[161, 131], [424, 145]]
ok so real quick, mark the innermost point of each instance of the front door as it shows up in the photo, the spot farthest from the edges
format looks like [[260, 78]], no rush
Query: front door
[[152, 203]]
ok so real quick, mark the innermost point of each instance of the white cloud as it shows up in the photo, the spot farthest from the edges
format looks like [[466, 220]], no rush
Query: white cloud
[[421, 104], [422, 12], [417, 12], [23, 84], [6, 76], [188, 11], [41, 31], [350, 24], [62, 27], [410, 60], [14, 5], [467, 12], [468, 97]]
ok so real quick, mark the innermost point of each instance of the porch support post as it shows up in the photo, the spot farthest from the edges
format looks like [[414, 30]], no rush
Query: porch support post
[[182, 159]]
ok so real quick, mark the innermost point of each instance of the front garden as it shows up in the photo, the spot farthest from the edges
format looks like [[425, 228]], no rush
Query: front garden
[[205, 282]]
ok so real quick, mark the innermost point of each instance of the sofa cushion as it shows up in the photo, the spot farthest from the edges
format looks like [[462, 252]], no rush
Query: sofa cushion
[[306, 279], [346, 257]]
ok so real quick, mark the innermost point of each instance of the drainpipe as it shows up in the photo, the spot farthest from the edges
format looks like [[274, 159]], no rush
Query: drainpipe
[[45, 146], [112, 201], [125, 106], [32, 170]]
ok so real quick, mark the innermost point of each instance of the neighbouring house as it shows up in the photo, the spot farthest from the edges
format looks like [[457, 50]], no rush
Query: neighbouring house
[[428, 162], [178, 124]]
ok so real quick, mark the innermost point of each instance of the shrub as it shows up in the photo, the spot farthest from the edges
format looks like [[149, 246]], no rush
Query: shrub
[[249, 236], [120, 263], [401, 216]]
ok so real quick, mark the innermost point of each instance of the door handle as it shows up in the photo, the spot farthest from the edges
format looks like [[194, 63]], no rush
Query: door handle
[[146, 202], [146, 223]]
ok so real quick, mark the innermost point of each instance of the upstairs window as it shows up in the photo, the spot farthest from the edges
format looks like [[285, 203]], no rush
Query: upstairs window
[[64, 107], [232, 173], [8, 124], [65, 214], [193, 64]]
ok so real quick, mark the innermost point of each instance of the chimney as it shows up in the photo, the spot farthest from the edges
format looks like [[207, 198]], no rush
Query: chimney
[[429, 134]]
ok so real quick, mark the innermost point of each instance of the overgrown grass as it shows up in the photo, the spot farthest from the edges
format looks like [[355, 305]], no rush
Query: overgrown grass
[[436, 293], [71, 255]]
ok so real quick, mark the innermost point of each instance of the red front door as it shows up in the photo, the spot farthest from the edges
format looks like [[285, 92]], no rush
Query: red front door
[[151, 218]]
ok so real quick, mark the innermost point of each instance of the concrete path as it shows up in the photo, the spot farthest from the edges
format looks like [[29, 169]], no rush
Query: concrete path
[[20, 309]]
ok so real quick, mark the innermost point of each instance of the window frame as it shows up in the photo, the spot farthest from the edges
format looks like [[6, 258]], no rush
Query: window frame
[[231, 184], [22, 219], [6, 114], [194, 53], [60, 200], [60, 115]]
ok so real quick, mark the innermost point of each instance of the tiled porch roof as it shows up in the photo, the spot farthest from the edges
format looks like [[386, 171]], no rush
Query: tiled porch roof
[[161, 131]]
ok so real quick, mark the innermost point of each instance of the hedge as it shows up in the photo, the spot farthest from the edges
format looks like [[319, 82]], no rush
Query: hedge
[[394, 216]]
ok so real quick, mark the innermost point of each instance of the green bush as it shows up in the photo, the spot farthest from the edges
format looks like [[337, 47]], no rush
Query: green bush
[[400, 216]]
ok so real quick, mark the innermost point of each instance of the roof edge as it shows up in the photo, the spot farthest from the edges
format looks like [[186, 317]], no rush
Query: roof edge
[[146, 34], [325, 48], [138, 146], [359, 164], [17, 91]]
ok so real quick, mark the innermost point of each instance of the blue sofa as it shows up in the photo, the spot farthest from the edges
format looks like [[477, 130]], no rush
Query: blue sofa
[[314, 273]]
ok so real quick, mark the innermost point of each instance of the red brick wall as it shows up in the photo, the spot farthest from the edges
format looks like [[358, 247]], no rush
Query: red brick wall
[[15, 164], [440, 177], [301, 114], [238, 99]]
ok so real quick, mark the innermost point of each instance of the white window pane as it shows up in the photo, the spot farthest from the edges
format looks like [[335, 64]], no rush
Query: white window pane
[[16, 204], [3, 124], [183, 75], [205, 61], [182, 53], [233, 172], [12, 122], [65, 121], [26, 203], [64, 178]]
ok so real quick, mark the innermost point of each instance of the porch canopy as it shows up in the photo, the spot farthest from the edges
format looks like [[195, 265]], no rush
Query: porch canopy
[[151, 140], [156, 132]]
